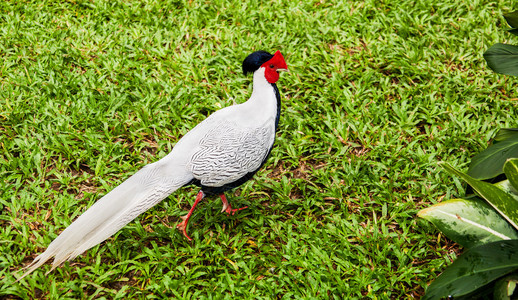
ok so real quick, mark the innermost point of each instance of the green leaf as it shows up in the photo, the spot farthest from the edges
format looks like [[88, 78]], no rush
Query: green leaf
[[505, 134], [469, 222], [506, 186], [474, 269], [505, 287], [511, 171], [512, 19], [503, 59], [489, 163], [504, 203]]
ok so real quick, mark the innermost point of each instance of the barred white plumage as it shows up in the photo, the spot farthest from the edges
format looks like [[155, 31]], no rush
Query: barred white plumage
[[227, 152]]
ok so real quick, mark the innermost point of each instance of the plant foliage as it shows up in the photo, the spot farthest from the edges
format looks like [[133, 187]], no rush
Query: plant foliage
[[474, 269], [490, 162], [488, 230], [503, 58]]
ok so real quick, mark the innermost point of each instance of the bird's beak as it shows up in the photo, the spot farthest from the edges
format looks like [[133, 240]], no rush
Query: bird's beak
[[282, 70]]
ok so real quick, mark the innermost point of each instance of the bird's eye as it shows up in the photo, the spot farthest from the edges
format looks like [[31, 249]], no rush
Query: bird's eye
[[271, 66]]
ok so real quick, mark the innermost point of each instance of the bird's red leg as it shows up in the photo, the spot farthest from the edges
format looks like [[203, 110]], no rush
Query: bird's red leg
[[183, 225], [226, 206]]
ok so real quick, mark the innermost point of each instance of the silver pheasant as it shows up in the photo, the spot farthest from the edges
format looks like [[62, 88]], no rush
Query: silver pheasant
[[220, 153]]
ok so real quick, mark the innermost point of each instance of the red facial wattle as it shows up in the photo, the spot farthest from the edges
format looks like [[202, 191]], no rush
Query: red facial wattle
[[272, 67]]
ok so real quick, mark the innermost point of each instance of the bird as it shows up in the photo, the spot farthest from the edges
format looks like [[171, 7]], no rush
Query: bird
[[219, 154]]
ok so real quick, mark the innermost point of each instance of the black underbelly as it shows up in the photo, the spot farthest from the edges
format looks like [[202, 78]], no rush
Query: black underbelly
[[216, 190]]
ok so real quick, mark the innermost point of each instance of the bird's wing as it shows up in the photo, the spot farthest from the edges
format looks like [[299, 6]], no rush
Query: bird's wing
[[137, 194], [228, 152]]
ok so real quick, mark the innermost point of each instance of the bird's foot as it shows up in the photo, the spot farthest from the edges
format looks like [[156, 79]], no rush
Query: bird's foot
[[231, 211], [183, 227], [226, 206]]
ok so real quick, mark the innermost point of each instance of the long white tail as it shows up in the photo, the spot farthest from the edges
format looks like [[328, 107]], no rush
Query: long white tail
[[134, 196]]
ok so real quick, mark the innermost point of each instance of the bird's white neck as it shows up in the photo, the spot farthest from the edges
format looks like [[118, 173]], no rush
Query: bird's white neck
[[260, 81], [262, 90], [262, 105]]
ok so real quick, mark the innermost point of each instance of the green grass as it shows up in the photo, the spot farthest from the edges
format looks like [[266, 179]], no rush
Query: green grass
[[378, 92]]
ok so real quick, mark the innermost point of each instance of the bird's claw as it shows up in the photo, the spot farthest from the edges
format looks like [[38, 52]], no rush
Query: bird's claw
[[231, 211], [182, 226], [226, 207]]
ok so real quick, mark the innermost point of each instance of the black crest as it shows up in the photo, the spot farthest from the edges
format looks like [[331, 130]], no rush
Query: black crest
[[254, 61]]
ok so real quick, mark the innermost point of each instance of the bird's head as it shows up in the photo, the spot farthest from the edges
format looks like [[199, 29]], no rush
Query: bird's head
[[272, 64]]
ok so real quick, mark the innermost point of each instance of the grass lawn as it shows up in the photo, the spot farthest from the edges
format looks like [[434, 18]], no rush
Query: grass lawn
[[378, 92]]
